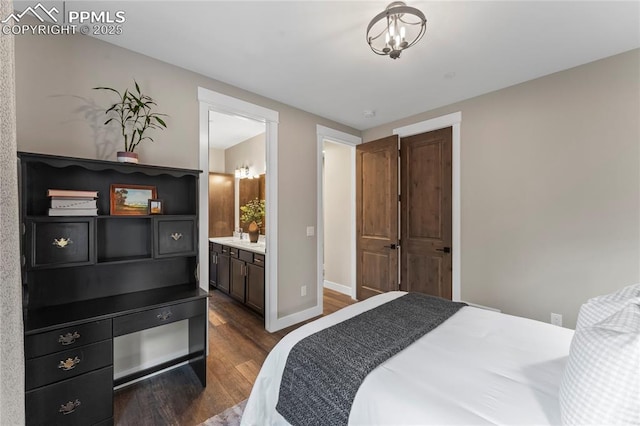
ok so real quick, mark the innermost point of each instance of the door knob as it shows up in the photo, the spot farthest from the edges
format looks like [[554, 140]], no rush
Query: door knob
[[392, 246], [445, 249]]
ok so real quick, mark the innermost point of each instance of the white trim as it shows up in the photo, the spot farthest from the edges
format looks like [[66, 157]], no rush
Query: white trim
[[298, 317], [214, 101], [453, 120], [336, 136], [235, 106], [340, 288]]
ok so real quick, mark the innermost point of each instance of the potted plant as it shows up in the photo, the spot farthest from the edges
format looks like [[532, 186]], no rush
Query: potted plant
[[253, 213], [134, 112]]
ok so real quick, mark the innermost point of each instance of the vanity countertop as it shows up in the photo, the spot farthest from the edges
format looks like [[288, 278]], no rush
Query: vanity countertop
[[258, 247]]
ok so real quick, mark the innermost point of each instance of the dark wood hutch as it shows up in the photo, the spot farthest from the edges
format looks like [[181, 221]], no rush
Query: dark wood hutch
[[120, 274]]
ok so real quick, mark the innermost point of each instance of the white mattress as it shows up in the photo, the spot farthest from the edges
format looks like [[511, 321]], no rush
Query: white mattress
[[478, 367]]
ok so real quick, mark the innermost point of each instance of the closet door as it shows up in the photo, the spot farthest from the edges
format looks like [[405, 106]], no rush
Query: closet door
[[377, 217], [426, 213]]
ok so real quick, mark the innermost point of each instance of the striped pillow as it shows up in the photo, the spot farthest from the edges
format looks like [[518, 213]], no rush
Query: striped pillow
[[601, 307], [601, 383]]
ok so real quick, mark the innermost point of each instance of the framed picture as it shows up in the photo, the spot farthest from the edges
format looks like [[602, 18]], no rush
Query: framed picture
[[131, 200], [155, 206]]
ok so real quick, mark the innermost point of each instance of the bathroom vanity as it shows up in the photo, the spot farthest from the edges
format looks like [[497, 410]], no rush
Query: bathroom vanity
[[236, 267]]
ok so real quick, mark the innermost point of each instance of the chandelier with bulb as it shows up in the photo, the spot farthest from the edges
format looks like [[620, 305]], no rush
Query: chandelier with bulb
[[396, 29]]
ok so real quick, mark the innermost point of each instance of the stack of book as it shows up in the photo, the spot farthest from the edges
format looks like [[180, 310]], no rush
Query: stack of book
[[67, 202]]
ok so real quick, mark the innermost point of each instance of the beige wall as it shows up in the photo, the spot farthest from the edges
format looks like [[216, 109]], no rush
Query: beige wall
[[247, 153], [337, 198], [550, 173], [58, 113], [216, 160]]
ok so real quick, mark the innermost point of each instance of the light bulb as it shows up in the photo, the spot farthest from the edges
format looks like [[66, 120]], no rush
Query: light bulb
[[402, 32], [392, 29]]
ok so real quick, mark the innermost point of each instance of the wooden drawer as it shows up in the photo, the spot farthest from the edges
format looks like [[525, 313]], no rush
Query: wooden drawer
[[174, 237], [233, 251], [86, 400], [64, 365], [247, 256], [66, 338], [216, 248], [258, 259], [154, 317], [56, 242]]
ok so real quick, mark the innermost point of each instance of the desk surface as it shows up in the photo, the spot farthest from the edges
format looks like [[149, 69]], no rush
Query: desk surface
[[53, 317]]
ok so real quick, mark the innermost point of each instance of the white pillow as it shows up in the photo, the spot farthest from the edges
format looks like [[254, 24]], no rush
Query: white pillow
[[601, 382], [601, 307]]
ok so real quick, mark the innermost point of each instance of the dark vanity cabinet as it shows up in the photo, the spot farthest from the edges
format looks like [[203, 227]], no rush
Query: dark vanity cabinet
[[88, 279], [219, 267], [238, 273], [255, 284]]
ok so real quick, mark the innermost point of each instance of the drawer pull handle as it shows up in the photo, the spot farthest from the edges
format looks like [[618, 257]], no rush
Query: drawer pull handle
[[69, 364], [62, 242], [68, 338], [176, 236], [163, 316], [69, 407]]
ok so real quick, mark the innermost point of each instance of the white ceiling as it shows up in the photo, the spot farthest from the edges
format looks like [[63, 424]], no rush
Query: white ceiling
[[313, 55], [227, 130]]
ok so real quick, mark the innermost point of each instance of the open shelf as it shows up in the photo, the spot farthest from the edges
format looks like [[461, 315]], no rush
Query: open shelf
[[128, 238]]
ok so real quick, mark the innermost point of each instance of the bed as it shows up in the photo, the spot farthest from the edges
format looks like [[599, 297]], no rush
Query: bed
[[477, 367]]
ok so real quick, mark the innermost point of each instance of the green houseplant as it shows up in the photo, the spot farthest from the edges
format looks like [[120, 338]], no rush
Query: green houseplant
[[253, 213], [134, 113]]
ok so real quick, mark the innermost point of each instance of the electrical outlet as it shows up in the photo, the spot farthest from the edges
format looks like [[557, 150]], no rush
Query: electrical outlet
[[303, 290], [310, 231], [556, 319]]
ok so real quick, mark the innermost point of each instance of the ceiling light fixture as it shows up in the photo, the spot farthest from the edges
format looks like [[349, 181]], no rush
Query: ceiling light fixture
[[395, 29]]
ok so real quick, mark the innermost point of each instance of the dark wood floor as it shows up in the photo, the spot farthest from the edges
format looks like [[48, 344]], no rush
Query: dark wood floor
[[238, 346]]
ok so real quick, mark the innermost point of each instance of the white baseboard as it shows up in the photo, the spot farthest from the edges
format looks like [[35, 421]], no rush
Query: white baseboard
[[338, 287], [296, 318]]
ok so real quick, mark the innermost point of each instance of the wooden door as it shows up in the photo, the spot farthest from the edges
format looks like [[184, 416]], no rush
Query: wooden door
[[221, 204], [377, 217], [426, 213]]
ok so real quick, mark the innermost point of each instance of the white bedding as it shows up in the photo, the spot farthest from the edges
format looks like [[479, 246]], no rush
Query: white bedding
[[478, 367]]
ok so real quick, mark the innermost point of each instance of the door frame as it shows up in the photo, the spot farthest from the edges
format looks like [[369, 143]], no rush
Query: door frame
[[350, 141], [210, 100], [453, 120]]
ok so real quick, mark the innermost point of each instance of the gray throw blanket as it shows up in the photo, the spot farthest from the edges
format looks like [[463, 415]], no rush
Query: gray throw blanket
[[324, 371]]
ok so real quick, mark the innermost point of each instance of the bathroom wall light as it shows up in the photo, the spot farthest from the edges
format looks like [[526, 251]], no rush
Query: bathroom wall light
[[242, 172]]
